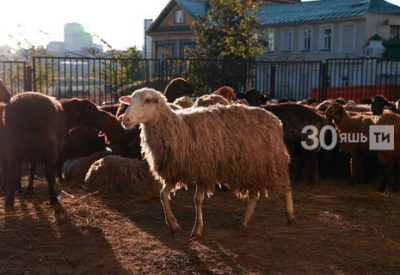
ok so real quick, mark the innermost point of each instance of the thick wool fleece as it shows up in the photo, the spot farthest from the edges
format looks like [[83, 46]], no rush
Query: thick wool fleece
[[121, 175], [209, 100], [236, 145]]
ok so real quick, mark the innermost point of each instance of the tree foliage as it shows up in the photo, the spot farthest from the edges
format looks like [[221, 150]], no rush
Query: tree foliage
[[230, 34]]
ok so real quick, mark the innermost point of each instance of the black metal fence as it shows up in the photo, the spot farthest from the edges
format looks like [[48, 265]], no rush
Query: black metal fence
[[105, 79], [293, 80], [99, 79], [358, 78], [14, 76]]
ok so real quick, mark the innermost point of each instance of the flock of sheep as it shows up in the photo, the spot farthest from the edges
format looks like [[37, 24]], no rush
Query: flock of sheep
[[154, 143]]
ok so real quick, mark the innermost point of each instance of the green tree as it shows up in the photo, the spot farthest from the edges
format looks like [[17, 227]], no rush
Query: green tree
[[124, 71], [230, 34]]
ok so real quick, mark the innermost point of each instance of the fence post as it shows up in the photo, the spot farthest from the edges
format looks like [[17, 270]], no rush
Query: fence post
[[28, 85], [323, 91], [272, 82]]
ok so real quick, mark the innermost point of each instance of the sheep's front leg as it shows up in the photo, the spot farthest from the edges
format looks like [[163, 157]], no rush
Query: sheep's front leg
[[289, 207], [198, 204], [169, 216], [355, 168], [250, 208]]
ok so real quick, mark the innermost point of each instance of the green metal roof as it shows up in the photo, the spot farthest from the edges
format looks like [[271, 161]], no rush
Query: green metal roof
[[392, 49], [322, 10], [376, 37], [294, 12], [305, 11], [172, 29], [194, 7]]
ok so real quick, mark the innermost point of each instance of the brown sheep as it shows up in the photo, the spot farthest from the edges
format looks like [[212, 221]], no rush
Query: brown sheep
[[177, 88], [121, 175], [294, 118], [120, 140], [111, 108], [390, 159], [360, 108], [184, 102], [4, 93], [205, 146], [209, 100], [9, 160], [358, 124], [174, 107], [40, 124], [74, 171], [227, 92], [121, 110], [80, 141]]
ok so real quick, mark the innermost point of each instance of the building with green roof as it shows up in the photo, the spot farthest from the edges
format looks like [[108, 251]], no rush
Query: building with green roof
[[312, 30]]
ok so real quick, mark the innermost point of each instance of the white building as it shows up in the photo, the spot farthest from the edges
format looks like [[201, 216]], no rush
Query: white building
[[75, 37]]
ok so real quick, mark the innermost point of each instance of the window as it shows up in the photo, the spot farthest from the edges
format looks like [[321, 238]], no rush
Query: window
[[271, 41], [288, 39], [326, 41], [165, 49], [268, 41], [185, 44], [306, 39], [394, 32], [179, 17]]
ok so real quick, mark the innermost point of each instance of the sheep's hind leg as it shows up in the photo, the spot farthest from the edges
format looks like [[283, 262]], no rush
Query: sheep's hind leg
[[289, 207], [169, 216], [50, 175], [32, 173], [12, 181], [250, 208], [198, 203]]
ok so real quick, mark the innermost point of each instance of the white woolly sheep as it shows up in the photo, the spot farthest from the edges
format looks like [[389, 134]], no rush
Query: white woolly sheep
[[205, 146], [184, 102], [121, 175], [209, 100], [75, 170]]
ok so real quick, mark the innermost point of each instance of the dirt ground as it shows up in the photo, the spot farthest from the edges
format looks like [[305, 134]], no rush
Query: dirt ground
[[339, 230]]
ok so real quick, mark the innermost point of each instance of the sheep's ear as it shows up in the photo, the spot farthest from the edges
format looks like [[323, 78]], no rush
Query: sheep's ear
[[125, 100]]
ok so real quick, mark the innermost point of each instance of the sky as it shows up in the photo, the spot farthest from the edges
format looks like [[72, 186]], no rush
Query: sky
[[119, 22]]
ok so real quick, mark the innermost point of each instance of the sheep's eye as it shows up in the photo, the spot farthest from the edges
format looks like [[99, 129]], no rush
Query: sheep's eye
[[148, 100]]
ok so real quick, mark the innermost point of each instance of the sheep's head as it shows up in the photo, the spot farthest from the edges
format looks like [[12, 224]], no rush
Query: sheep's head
[[178, 87], [378, 103], [227, 92], [82, 111], [334, 112], [142, 108]]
